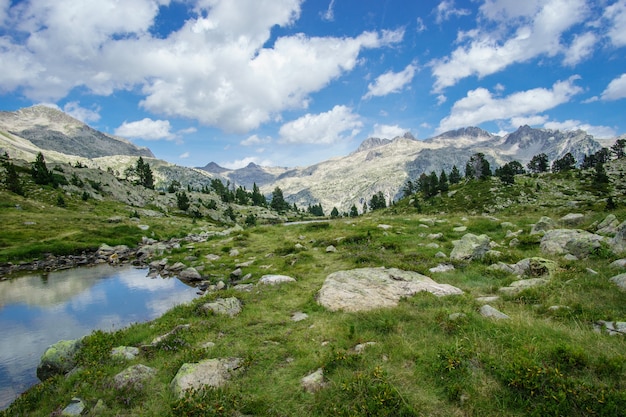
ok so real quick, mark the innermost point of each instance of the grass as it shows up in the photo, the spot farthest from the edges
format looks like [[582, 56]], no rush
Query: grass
[[423, 361]]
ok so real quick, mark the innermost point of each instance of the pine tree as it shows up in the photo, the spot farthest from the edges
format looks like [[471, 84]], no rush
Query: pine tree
[[618, 148], [455, 175], [11, 178], [182, 201], [258, 199], [40, 172], [334, 213], [538, 163], [564, 164], [443, 182], [353, 211], [278, 202]]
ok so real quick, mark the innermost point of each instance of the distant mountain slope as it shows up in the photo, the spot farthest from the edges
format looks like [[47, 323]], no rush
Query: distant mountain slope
[[53, 130]]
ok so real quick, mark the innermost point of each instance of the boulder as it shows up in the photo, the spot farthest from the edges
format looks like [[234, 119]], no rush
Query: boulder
[[225, 306], [442, 268], [543, 225], [572, 219], [620, 281], [275, 279], [125, 352], [331, 249], [488, 311], [213, 373], [470, 247], [534, 267], [620, 263], [76, 407], [314, 381], [608, 226], [618, 243], [133, 377], [370, 288], [299, 316], [519, 286], [576, 242], [189, 274], [58, 359]]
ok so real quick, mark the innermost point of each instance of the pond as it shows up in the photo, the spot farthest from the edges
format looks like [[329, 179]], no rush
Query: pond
[[39, 310]]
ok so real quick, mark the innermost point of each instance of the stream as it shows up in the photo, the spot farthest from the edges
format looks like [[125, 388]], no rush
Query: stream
[[39, 310]]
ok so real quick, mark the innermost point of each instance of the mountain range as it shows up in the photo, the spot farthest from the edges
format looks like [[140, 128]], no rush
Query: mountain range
[[377, 165]]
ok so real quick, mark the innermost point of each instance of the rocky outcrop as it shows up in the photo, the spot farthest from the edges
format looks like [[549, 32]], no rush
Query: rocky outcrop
[[371, 288], [608, 226], [58, 359], [213, 373], [224, 306], [569, 241], [618, 243], [543, 225], [133, 377], [275, 279]]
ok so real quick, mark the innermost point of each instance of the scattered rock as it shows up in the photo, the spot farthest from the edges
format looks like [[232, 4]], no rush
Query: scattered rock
[[234, 252], [459, 229], [331, 249], [442, 268], [456, 316], [58, 359], [576, 242], [360, 348], [620, 263], [618, 243], [211, 257], [226, 306], [441, 255], [519, 286], [488, 299], [178, 266], [488, 311], [432, 246], [169, 334], [190, 274], [613, 328], [275, 279], [125, 352], [384, 226], [620, 281], [76, 407], [543, 225], [470, 247], [572, 219], [608, 226], [314, 381], [427, 221], [435, 236], [133, 377], [535, 267], [244, 287], [370, 288], [299, 316], [213, 373]]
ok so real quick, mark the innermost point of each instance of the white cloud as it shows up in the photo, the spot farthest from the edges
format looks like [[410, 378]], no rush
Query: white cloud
[[616, 89], [146, 129], [218, 68], [324, 128], [581, 48], [391, 82], [616, 14], [74, 109], [242, 163], [534, 120], [329, 14], [255, 140], [480, 106], [388, 131], [596, 131], [421, 27], [535, 30], [184, 155], [445, 10]]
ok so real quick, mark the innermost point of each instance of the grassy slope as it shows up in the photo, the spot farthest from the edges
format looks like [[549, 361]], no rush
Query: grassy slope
[[541, 362]]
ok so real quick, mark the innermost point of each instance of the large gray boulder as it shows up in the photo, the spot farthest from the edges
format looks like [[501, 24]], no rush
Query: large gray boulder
[[470, 247], [213, 373], [370, 288], [58, 359], [535, 267], [620, 281], [618, 243], [608, 226], [543, 225], [569, 241], [572, 219], [133, 377], [190, 274], [275, 279]]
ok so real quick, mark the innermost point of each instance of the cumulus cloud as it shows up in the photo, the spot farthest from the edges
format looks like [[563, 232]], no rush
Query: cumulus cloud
[[616, 89], [219, 68], [329, 14], [581, 48], [480, 106], [83, 114], [568, 125], [146, 129], [421, 27], [244, 162], [616, 15], [391, 82], [325, 128], [184, 155], [388, 131], [445, 10], [255, 140], [536, 28]]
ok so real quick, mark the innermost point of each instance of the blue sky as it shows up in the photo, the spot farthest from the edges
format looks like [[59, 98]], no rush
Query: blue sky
[[292, 82]]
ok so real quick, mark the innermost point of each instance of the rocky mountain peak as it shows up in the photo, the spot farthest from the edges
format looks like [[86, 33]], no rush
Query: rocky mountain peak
[[213, 168], [371, 143], [473, 132]]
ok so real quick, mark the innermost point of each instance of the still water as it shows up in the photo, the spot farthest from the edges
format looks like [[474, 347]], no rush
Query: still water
[[37, 311]]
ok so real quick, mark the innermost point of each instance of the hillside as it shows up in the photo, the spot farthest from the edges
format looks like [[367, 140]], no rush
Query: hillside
[[539, 325]]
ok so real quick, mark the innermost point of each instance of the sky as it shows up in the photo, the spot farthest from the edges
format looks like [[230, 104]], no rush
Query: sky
[[295, 82]]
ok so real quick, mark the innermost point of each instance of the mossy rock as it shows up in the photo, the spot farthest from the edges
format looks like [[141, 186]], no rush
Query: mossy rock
[[58, 359]]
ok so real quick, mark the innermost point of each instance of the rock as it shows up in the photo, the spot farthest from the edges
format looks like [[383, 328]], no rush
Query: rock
[[299, 316], [442, 268], [543, 225], [470, 247], [212, 257], [488, 311], [360, 348], [572, 219], [178, 266], [133, 377], [507, 225], [58, 359], [608, 226], [234, 252], [514, 242], [370, 288], [169, 334], [535, 267], [456, 316], [618, 243], [125, 352], [190, 274], [212, 373], [576, 242], [441, 255], [620, 281], [435, 236], [488, 299], [76, 407], [236, 274], [519, 286], [501, 266], [426, 221], [460, 229], [115, 219], [244, 287], [275, 279], [613, 328], [331, 249], [314, 381], [432, 246], [620, 263], [227, 306], [510, 234], [384, 226]]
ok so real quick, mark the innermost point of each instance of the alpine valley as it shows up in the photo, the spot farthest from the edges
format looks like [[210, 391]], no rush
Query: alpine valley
[[378, 165]]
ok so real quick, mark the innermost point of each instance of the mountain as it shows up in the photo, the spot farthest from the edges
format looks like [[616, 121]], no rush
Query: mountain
[[52, 130]]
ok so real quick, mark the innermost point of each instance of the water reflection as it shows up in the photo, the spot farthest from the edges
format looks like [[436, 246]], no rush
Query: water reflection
[[37, 311]]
